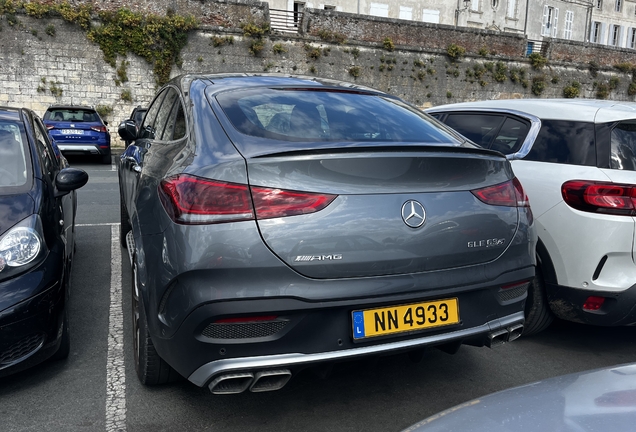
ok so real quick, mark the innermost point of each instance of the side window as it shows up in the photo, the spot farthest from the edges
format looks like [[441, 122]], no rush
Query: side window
[[510, 136], [148, 126], [164, 113], [623, 146], [479, 128], [566, 142], [176, 127], [45, 149]]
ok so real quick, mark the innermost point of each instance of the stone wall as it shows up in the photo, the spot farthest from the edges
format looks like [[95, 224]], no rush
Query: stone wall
[[38, 69]]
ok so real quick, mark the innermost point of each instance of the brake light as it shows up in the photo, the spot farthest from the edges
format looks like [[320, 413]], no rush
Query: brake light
[[99, 128], [193, 200], [598, 197], [272, 203], [508, 194], [49, 127]]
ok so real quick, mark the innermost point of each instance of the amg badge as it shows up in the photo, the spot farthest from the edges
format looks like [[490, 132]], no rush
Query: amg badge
[[331, 257]]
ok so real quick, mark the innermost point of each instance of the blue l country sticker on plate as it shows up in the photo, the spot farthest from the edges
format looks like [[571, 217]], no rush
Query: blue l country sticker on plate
[[358, 324]]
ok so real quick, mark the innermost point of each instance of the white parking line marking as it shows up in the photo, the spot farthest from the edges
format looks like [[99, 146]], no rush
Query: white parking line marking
[[115, 369], [113, 167], [98, 224]]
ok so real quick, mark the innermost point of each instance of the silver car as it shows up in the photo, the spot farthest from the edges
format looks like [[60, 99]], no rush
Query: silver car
[[278, 222]]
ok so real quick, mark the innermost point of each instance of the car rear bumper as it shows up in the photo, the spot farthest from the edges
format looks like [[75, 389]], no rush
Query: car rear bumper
[[207, 372], [618, 309], [84, 149]]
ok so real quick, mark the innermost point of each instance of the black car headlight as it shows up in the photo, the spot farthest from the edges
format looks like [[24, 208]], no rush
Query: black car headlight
[[21, 247]]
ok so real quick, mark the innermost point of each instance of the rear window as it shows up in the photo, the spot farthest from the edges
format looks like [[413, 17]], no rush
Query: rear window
[[623, 151], [328, 115], [13, 169], [566, 142], [71, 115]]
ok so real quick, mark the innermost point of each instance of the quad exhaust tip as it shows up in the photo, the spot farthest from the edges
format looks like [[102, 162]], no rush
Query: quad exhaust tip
[[260, 382], [501, 336]]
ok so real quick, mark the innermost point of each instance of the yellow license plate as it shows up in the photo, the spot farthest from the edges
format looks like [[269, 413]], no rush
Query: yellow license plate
[[404, 318]]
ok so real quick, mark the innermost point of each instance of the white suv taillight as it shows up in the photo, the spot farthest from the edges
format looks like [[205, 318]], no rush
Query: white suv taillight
[[599, 197]]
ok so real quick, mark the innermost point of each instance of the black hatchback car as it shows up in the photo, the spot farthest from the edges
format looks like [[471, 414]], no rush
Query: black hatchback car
[[37, 214], [276, 222]]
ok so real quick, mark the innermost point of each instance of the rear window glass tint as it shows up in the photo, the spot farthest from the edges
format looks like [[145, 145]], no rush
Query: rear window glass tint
[[479, 128], [566, 142], [72, 115], [510, 136], [13, 169], [327, 115], [623, 147]]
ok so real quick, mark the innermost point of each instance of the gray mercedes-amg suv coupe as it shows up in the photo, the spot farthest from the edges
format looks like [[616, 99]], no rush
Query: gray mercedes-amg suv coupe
[[277, 222]]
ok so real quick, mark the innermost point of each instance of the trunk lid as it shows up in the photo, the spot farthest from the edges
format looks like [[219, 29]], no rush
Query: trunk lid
[[364, 231]]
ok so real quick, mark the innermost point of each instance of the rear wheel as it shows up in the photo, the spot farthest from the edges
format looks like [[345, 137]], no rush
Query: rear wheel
[[537, 312], [150, 367], [124, 226], [106, 159]]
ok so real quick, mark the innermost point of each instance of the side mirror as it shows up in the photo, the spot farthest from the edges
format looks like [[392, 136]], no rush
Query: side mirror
[[68, 180], [127, 130]]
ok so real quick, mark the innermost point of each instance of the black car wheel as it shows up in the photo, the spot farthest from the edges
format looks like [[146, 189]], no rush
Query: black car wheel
[[106, 159], [150, 367], [65, 345], [124, 227], [537, 311]]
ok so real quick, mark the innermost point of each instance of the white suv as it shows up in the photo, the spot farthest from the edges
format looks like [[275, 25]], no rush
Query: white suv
[[576, 160]]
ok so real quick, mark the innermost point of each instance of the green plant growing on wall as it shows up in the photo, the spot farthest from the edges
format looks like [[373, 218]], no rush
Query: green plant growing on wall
[[200, 59], [279, 48], [478, 71], [483, 51], [517, 75], [613, 83], [537, 61], [421, 75], [312, 52], [55, 90], [126, 95], [122, 73], [254, 30], [312, 69], [218, 41], [573, 90], [104, 110], [631, 89], [448, 95], [355, 52], [489, 66], [455, 52], [593, 67], [501, 71], [13, 20], [256, 46], [388, 44], [555, 79], [354, 71], [34, 32], [381, 68], [50, 30], [602, 91], [418, 63], [329, 36], [538, 85], [624, 67]]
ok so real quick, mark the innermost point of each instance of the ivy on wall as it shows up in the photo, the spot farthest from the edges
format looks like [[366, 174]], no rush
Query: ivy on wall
[[157, 39]]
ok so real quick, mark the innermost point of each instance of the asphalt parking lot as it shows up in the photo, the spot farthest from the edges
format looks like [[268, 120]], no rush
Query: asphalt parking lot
[[96, 389]]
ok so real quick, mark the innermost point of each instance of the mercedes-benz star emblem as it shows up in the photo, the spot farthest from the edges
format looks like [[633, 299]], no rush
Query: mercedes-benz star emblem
[[413, 214]]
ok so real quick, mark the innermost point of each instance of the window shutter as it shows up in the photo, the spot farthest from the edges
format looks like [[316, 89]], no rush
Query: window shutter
[[555, 22], [544, 21]]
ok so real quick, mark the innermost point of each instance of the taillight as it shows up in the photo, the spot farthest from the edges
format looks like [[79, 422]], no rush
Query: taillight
[[273, 203], [193, 200], [99, 128], [597, 197], [49, 127], [508, 194]]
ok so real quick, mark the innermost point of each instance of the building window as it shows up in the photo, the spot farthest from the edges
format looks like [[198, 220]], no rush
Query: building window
[[512, 9], [596, 32], [406, 13], [430, 16], [474, 5], [494, 3], [569, 18], [550, 21], [298, 12], [598, 4], [619, 5], [328, 7], [632, 38], [615, 32], [379, 9]]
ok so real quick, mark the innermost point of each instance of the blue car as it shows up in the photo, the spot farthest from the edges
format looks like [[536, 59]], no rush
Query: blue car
[[78, 130]]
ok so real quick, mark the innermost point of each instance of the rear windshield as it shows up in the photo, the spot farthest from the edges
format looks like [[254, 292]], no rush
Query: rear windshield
[[71, 115], [328, 115], [13, 169]]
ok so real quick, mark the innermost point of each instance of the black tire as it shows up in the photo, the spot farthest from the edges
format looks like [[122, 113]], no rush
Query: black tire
[[537, 313], [150, 367], [65, 345], [106, 159], [124, 226]]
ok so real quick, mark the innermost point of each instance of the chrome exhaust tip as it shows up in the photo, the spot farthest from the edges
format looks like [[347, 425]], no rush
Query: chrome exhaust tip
[[270, 380], [514, 332], [231, 383], [497, 338]]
